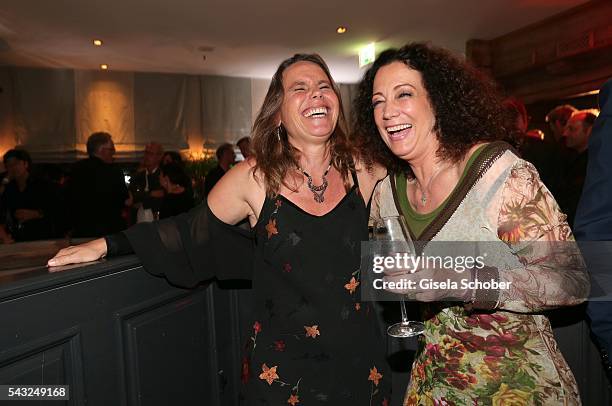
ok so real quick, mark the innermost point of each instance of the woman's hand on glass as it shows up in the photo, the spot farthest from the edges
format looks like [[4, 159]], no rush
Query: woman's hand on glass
[[87, 252]]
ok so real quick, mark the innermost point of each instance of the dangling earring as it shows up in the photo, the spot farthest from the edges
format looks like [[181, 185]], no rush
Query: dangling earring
[[278, 132]]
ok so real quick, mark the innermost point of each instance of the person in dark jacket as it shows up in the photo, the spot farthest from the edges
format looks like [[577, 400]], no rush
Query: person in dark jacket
[[97, 192], [144, 184], [594, 220], [29, 205], [225, 157], [179, 193], [577, 133]]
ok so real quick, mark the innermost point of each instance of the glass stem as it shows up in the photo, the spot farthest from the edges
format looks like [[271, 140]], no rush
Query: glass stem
[[403, 309]]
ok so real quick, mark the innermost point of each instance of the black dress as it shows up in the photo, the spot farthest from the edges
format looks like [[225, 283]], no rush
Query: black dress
[[176, 203], [311, 341]]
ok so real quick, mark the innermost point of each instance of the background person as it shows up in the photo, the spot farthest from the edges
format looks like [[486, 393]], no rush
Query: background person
[[145, 188], [225, 159], [96, 190], [29, 206], [178, 196], [172, 157], [594, 216], [244, 144], [576, 135]]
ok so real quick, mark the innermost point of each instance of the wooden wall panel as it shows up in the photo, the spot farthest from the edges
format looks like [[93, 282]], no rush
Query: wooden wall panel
[[564, 55]]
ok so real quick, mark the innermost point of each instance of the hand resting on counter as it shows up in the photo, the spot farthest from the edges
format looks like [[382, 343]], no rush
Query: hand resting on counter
[[90, 251]]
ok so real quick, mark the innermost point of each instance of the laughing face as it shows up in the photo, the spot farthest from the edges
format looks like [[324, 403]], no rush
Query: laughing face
[[402, 112], [310, 106]]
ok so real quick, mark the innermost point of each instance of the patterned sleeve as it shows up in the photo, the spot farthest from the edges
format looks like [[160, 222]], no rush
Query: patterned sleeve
[[531, 223]]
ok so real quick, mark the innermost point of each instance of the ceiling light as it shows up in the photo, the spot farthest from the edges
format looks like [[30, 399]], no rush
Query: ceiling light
[[97, 42], [341, 30], [104, 66]]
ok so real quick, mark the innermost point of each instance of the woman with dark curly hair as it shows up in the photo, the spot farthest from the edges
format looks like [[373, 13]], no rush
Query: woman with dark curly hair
[[440, 128]]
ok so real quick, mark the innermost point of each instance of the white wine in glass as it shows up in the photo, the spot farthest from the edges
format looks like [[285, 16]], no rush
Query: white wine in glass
[[390, 229]]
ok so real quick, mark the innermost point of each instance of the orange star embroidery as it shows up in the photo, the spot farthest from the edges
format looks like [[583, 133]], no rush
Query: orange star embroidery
[[352, 285], [312, 331], [271, 228], [257, 327], [357, 306], [375, 376], [278, 203], [293, 400], [268, 374]]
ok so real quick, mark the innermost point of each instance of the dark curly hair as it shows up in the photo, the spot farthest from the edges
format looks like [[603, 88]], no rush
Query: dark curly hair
[[466, 105]]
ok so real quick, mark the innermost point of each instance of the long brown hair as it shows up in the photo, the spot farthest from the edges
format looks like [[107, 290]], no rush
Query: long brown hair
[[274, 155]]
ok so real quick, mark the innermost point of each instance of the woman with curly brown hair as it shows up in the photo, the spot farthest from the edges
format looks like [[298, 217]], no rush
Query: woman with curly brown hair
[[312, 341], [440, 127]]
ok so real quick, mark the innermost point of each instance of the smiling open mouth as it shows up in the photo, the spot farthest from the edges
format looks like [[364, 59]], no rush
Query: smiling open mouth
[[317, 112], [398, 128]]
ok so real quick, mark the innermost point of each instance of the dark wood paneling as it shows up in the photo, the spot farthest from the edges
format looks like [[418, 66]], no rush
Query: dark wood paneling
[[114, 333], [172, 334], [51, 360]]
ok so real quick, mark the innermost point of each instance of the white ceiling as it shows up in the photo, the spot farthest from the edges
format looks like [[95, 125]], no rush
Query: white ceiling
[[248, 37]]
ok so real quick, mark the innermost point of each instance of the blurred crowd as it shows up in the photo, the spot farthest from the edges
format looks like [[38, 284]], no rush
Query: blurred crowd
[[559, 152], [94, 198]]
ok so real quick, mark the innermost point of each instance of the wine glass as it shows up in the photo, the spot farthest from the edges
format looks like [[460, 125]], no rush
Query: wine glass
[[394, 229]]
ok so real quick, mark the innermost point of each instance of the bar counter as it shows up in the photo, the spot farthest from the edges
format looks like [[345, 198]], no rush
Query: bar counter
[[112, 332]]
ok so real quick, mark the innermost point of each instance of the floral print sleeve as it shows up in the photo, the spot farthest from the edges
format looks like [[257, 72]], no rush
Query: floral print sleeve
[[530, 222]]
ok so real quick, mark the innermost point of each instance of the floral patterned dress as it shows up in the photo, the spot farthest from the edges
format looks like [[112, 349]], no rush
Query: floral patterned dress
[[507, 356], [312, 341]]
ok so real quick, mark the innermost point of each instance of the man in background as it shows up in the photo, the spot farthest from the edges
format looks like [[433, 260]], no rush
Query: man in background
[[244, 144], [225, 159], [554, 155], [29, 205], [96, 191], [557, 119], [145, 187], [577, 132]]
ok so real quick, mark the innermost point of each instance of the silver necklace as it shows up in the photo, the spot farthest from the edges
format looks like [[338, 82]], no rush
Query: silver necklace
[[423, 193], [317, 191]]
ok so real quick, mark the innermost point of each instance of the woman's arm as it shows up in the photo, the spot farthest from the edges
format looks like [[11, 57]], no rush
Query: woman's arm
[[531, 223], [238, 194], [230, 201]]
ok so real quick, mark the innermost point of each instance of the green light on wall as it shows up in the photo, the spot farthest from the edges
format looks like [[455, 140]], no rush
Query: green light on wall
[[367, 54]]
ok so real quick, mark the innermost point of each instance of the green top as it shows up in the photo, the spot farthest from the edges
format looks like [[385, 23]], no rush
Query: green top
[[417, 221]]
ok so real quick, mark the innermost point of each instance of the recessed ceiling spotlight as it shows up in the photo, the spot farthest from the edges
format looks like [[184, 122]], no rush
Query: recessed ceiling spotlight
[[341, 30], [97, 42], [104, 66]]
